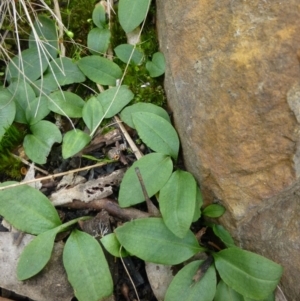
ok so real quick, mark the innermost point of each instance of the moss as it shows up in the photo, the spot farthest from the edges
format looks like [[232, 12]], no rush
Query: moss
[[9, 165], [75, 16]]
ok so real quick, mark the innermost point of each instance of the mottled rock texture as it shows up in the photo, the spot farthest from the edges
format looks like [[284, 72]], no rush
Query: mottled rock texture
[[233, 84]]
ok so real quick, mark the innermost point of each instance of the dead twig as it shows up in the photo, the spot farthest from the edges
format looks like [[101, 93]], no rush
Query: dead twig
[[151, 207], [60, 28], [138, 154], [111, 207], [54, 176], [29, 164], [126, 270]]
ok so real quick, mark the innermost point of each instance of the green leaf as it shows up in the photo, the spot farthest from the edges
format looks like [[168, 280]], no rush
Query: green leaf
[[157, 133], [100, 70], [37, 145], [29, 65], [74, 141], [157, 66], [198, 205], [99, 17], [213, 210], [37, 110], [114, 100], [113, 246], [142, 107], [224, 292], [183, 287], [7, 111], [38, 252], [86, 267], [23, 94], [45, 85], [150, 240], [64, 72], [251, 275], [66, 103], [131, 13], [27, 209], [98, 40], [177, 202], [46, 37], [92, 113], [155, 169], [123, 52], [36, 255], [224, 235]]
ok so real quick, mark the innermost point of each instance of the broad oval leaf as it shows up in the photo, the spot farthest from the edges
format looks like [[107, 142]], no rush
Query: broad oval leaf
[[45, 85], [123, 52], [45, 37], [132, 13], [157, 133], [86, 267], [224, 292], [36, 255], [224, 235], [142, 107], [64, 72], [7, 110], [98, 16], [73, 142], [184, 287], [100, 70], [251, 275], [150, 240], [157, 66], [29, 65], [27, 209], [98, 40], [177, 202], [155, 169], [37, 110], [113, 246], [37, 145], [23, 94], [114, 100], [213, 210], [92, 113], [66, 103]]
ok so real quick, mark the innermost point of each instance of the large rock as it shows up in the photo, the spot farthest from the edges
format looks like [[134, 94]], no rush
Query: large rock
[[233, 84]]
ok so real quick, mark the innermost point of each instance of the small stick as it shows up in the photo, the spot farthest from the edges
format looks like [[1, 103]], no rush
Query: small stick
[[60, 28], [110, 206], [132, 145], [28, 163], [54, 176], [126, 270], [151, 208]]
